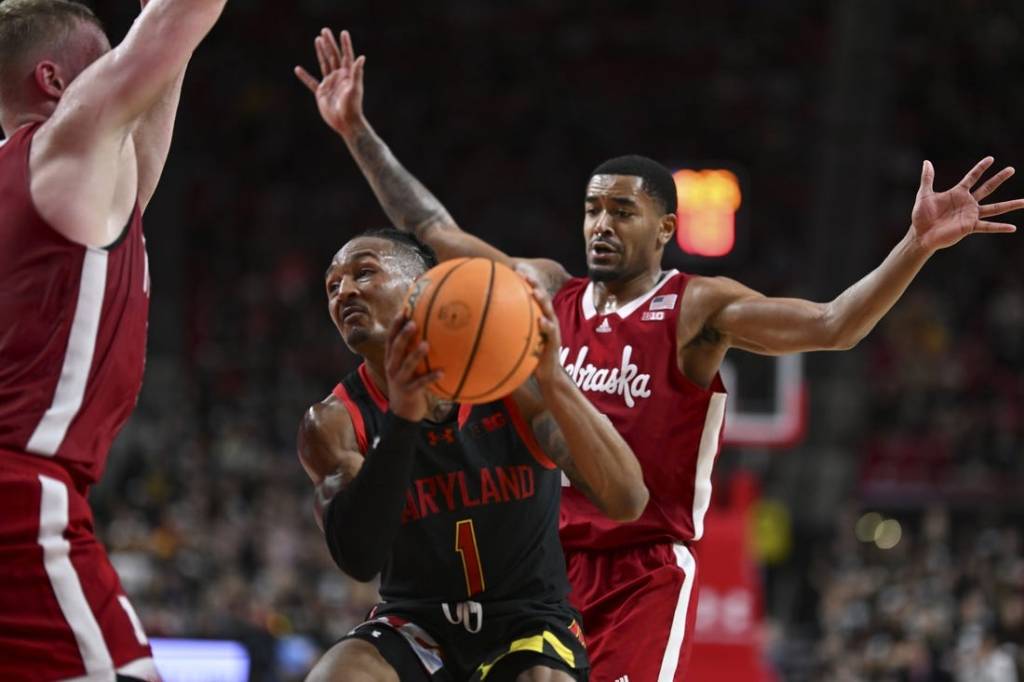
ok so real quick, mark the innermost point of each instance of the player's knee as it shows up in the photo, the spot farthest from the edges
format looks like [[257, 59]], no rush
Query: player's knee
[[352, 660], [544, 674]]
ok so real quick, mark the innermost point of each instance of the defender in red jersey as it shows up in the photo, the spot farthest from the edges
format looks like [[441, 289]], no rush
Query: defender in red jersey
[[88, 130], [645, 346]]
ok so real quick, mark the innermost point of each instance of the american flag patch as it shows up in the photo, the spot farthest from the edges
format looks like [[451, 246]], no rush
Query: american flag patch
[[666, 302]]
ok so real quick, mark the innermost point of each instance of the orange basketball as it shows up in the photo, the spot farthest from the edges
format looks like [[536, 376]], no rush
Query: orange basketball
[[481, 322]]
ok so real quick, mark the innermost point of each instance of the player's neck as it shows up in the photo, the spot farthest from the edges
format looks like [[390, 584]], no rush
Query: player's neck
[[610, 296]]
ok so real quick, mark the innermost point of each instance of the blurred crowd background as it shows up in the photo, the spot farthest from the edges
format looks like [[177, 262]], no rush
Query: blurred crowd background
[[503, 108]]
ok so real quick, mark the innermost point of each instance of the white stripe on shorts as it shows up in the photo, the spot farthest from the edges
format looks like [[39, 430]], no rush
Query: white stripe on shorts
[[53, 520], [669, 664]]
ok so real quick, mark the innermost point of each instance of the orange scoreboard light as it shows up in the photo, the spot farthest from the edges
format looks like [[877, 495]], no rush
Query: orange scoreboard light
[[706, 216]]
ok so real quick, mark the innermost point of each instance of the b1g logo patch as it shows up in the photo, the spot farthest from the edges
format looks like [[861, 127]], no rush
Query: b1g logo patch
[[652, 316]]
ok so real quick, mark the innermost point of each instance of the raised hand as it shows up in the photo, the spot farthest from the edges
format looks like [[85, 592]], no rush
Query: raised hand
[[407, 390], [942, 219], [339, 92]]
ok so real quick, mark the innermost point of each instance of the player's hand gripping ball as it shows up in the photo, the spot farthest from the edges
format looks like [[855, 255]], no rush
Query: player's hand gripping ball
[[482, 324]]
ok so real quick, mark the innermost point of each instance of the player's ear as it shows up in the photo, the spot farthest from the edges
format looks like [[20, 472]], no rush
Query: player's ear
[[49, 79], [666, 229]]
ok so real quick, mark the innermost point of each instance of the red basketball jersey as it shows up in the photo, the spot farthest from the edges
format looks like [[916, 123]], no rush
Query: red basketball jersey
[[72, 329], [625, 363]]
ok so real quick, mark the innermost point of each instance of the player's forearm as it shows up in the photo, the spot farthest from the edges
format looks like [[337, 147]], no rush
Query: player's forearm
[[598, 457], [362, 521], [410, 206], [155, 52], [855, 312]]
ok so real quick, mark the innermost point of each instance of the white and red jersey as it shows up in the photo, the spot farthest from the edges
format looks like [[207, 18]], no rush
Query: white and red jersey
[[626, 364], [73, 325]]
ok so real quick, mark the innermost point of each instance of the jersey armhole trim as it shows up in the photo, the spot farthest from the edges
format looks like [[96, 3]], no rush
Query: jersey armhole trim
[[526, 434], [341, 393], [378, 398]]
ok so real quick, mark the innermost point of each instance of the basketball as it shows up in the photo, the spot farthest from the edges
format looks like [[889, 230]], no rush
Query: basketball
[[481, 321]]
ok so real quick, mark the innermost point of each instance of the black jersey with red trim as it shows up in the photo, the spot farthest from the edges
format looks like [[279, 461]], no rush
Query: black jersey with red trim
[[481, 510]]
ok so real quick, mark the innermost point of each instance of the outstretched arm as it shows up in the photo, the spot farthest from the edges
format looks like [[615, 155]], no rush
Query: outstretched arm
[[578, 438], [81, 166], [409, 205], [746, 319], [152, 136]]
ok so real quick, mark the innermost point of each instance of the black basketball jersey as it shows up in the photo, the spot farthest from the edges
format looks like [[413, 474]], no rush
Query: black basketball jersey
[[481, 511]]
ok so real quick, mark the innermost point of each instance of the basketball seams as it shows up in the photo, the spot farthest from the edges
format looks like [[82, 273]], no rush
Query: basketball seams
[[430, 304], [479, 333], [526, 348]]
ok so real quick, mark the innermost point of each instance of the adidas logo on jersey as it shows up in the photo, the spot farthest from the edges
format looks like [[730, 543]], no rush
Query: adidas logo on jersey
[[624, 678], [604, 327]]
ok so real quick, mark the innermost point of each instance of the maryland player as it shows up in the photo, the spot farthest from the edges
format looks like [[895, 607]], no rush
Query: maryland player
[[645, 345], [455, 506], [88, 130]]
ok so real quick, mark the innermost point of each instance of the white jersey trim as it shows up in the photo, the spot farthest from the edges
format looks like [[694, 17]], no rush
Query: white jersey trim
[[53, 520], [589, 310], [677, 634], [74, 374], [706, 451]]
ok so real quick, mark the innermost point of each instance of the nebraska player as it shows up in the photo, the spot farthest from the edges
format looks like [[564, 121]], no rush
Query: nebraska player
[[645, 346], [89, 128]]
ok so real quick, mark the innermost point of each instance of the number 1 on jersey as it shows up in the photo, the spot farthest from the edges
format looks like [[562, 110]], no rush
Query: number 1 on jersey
[[465, 545]]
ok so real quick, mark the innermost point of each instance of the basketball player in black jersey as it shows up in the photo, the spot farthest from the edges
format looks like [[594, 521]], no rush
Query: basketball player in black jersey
[[455, 506]]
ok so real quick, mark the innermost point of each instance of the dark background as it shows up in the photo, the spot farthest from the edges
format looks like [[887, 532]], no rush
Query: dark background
[[828, 108]]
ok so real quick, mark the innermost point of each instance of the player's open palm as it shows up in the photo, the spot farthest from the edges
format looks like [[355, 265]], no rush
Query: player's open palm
[[942, 219], [339, 92], [407, 387]]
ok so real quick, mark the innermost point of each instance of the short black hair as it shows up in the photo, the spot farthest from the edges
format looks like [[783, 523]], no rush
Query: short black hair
[[407, 241], [657, 180]]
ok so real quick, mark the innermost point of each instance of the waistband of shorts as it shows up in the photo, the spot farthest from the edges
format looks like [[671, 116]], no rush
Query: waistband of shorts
[[30, 466]]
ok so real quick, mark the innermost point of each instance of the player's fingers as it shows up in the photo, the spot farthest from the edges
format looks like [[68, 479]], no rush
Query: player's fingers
[[398, 349], [426, 380], [989, 210], [927, 176], [321, 56], [348, 54], [412, 360], [307, 80], [357, 72], [994, 228], [992, 184], [971, 179], [333, 51]]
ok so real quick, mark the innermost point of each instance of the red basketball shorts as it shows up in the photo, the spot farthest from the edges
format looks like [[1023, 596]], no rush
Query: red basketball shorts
[[639, 606], [63, 614]]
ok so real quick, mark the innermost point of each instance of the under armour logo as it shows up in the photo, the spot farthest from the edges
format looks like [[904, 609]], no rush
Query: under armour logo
[[435, 437]]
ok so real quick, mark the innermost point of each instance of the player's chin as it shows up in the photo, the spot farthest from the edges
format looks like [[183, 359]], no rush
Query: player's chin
[[603, 273], [356, 337]]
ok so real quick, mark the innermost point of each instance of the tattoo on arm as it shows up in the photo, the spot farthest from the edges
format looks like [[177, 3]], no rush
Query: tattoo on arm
[[552, 441], [409, 204]]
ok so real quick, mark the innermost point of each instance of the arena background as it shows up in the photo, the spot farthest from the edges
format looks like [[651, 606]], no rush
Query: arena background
[[825, 109]]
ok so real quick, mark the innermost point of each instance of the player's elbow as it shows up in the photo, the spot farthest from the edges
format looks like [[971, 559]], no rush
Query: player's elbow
[[838, 332], [629, 504]]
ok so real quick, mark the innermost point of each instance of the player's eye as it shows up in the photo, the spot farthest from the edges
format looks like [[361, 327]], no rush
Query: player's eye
[[623, 214], [591, 211], [364, 273], [333, 286]]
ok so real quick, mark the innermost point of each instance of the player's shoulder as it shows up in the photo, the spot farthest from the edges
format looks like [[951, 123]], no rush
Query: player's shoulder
[[325, 417]]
